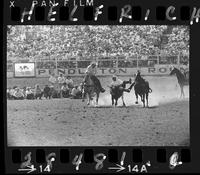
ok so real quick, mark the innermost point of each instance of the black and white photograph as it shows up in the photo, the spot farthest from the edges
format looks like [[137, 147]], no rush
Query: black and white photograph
[[98, 85]]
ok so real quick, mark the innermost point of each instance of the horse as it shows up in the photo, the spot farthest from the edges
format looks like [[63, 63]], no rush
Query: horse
[[90, 90], [183, 79], [142, 89]]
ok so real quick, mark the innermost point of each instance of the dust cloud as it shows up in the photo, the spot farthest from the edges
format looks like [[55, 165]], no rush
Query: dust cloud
[[165, 90]]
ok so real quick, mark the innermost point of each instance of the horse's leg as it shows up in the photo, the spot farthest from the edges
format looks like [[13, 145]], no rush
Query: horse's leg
[[83, 95], [97, 99], [116, 102], [136, 95], [112, 100], [88, 99], [123, 100], [142, 97], [143, 100], [181, 91], [147, 99]]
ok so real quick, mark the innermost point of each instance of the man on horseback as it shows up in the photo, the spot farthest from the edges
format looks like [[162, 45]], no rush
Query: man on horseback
[[90, 72], [139, 80]]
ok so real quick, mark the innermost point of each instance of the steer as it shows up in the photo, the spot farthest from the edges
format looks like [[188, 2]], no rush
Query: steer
[[117, 92]]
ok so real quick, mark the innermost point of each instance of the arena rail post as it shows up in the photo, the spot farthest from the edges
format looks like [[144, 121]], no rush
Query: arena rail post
[[56, 65], [179, 59]]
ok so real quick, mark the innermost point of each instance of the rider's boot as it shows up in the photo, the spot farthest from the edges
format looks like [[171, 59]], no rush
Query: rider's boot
[[130, 81], [102, 90]]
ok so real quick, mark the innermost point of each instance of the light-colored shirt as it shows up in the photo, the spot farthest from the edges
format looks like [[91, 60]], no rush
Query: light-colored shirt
[[38, 90], [79, 88], [52, 79], [61, 80], [29, 92], [117, 82], [74, 91], [90, 70], [12, 91], [64, 88], [69, 81], [18, 94]]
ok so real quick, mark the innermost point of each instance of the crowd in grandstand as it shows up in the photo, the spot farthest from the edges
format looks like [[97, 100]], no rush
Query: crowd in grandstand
[[86, 42], [61, 87], [111, 62]]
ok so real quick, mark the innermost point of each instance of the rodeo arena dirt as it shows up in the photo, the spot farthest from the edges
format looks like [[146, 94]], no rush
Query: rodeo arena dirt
[[69, 121]]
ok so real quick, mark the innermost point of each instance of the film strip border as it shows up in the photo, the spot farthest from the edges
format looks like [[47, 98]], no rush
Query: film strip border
[[102, 12], [89, 12], [103, 160]]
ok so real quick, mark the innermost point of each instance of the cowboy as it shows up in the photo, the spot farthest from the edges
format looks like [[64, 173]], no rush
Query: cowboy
[[138, 80], [91, 71], [116, 82]]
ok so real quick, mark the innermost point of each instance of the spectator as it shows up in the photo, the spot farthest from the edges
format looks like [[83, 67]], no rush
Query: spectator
[[29, 93], [52, 79], [64, 91], [61, 80], [47, 92], [54, 92], [12, 91], [69, 82], [8, 93], [38, 92], [18, 94], [24, 91], [76, 93]]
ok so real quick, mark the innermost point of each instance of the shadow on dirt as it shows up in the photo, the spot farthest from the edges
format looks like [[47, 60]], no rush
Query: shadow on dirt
[[153, 107]]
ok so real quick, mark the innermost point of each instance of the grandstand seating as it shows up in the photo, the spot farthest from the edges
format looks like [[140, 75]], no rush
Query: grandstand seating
[[36, 43]]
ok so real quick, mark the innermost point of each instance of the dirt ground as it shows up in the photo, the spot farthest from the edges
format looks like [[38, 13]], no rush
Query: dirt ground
[[67, 122]]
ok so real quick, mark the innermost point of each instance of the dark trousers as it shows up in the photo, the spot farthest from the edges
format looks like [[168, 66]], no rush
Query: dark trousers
[[38, 95], [95, 80], [65, 94], [30, 96]]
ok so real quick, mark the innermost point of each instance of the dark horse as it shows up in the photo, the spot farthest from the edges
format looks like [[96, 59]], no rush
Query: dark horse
[[90, 90], [183, 79], [142, 89]]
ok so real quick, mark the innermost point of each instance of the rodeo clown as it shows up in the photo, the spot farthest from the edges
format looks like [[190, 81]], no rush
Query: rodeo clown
[[90, 72]]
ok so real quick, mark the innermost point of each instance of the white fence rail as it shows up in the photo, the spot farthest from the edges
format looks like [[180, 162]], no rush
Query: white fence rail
[[148, 65]]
